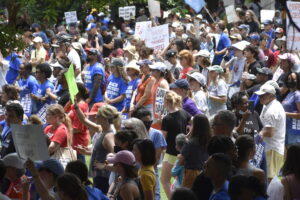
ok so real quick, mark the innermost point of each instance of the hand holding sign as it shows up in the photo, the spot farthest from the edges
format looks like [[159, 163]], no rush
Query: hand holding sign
[[70, 77]]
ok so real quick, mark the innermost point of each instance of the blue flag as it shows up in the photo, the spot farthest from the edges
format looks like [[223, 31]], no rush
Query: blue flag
[[197, 5]]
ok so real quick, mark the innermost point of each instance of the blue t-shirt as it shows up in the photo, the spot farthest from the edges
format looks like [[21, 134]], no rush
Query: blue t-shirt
[[41, 92], [28, 86], [271, 34], [224, 42], [14, 67], [132, 86], [222, 194], [95, 194], [290, 102], [157, 138], [91, 71], [115, 88]]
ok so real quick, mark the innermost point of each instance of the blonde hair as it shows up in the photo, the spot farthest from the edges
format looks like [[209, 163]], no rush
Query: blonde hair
[[137, 126], [111, 114], [122, 73], [173, 99], [188, 56], [58, 110]]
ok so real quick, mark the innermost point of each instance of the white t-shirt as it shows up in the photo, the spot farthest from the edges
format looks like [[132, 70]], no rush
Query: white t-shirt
[[273, 115], [218, 90], [75, 60], [200, 99], [238, 68]]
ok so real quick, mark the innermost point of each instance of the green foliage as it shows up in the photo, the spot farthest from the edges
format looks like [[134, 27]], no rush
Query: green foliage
[[10, 40]]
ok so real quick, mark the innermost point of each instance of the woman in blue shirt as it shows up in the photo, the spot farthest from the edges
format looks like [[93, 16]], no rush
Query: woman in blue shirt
[[133, 71], [44, 94], [28, 85], [117, 85]]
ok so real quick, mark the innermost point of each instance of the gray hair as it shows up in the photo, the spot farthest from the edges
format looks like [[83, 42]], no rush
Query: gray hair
[[136, 125]]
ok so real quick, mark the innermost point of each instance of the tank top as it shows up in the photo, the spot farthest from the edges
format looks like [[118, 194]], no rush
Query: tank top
[[246, 171], [141, 90], [153, 93], [128, 180], [99, 154]]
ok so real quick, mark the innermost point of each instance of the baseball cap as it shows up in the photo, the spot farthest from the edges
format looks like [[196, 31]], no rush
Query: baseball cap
[[90, 26], [203, 53], [216, 68], [95, 108], [77, 45], [82, 41], [124, 157], [92, 51], [267, 22], [52, 165], [104, 28], [133, 65], [56, 65], [144, 62], [241, 45], [266, 89], [35, 25], [131, 49], [243, 26], [279, 30], [180, 83], [264, 71], [200, 78], [158, 66], [288, 56], [117, 62], [13, 160], [272, 83], [248, 76], [37, 39], [170, 53], [255, 37]]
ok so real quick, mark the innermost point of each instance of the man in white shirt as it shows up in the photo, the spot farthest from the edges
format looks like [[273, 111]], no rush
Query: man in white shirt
[[38, 55], [274, 120]]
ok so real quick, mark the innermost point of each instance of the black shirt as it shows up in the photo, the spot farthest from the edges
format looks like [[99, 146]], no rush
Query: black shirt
[[174, 124], [202, 187], [8, 145], [254, 27], [253, 67], [252, 124], [106, 40]]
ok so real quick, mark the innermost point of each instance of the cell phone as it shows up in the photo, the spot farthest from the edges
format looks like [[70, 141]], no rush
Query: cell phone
[[251, 105]]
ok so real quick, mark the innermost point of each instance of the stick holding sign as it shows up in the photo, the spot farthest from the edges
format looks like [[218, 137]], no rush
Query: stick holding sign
[[30, 142], [70, 77]]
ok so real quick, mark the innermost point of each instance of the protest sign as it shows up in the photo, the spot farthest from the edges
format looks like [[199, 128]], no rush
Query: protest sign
[[293, 36], [71, 17], [154, 8], [197, 5], [159, 109], [30, 142], [141, 28], [127, 12], [157, 37], [70, 77], [231, 14], [266, 15]]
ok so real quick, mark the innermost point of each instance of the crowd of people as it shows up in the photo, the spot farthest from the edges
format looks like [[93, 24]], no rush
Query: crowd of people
[[228, 125]]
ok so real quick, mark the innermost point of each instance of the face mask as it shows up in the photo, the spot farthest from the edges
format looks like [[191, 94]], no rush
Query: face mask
[[117, 149], [148, 124], [291, 84]]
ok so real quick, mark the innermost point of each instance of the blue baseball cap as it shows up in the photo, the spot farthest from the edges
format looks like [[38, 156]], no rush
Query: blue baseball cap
[[52, 165], [144, 62], [255, 37], [104, 28], [90, 26], [180, 83], [267, 22], [243, 26]]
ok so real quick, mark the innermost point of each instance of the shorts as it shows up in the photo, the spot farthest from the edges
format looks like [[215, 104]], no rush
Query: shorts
[[170, 159], [189, 177], [275, 162]]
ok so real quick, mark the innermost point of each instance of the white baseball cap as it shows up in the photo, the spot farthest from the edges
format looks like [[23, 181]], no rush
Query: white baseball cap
[[37, 40], [266, 88], [158, 66], [241, 45], [203, 53]]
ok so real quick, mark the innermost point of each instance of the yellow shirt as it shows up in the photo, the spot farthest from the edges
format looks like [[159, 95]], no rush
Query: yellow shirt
[[147, 178]]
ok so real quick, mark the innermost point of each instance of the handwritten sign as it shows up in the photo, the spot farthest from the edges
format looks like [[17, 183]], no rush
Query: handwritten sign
[[141, 29], [159, 109], [30, 142], [158, 37], [267, 15], [71, 17], [231, 14], [127, 12], [154, 8], [293, 36]]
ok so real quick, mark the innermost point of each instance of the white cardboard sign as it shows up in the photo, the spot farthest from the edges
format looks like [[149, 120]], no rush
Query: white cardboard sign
[[71, 17], [266, 15], [154, 8], [141, 29], [157, 37], [127, 12], [231, 14]]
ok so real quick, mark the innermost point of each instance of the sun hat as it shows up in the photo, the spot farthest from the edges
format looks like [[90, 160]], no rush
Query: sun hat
[[131, 49], [158, 66], [133, 65], [124, 157], [200, 78], [108, 112], [241, 45], [13, 160]]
